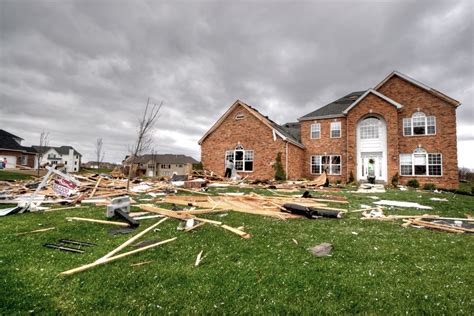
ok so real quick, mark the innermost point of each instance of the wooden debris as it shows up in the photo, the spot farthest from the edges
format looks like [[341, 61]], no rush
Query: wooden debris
[[195, 226], [125, 254], [131, 240], [92, 220], [140, 263], [163, 211], [236, 231], [198, 259], [210, 221], [36, 231]]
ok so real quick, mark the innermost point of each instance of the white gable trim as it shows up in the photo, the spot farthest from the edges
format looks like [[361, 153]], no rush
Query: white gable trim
[[380, 95], [420, 85]]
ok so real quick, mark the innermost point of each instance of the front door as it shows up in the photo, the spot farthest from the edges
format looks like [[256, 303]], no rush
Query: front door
[[372, 165]]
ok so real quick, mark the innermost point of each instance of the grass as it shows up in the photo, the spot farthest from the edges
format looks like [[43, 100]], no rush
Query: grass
[[375, 267], [8, 175]]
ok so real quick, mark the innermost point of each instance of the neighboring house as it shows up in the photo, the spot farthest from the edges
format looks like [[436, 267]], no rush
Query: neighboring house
[[65, 156], [401, 126], [162, 165], [95, 165], [15, 154]]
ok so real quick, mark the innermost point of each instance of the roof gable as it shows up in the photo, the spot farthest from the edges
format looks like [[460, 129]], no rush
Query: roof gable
[[378, 94], [277, 129], [420, 85]]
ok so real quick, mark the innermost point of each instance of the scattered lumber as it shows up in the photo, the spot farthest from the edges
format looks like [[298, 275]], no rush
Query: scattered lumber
[[195, 226], [131, 240], [125, 254], [163, 211], [92, 220]]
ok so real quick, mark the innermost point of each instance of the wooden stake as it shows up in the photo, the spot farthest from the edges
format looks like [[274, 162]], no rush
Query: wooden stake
[[131, 240], [236, 231], [82, 219], [95, 188], [198, 259], [125, 254], [36, 231]]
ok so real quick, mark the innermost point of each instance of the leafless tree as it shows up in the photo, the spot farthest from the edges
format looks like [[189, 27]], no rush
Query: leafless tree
[[43, 144], [144, 138], [99, 152]]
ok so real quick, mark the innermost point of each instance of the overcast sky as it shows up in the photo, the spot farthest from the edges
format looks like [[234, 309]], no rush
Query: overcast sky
[[84, 69]]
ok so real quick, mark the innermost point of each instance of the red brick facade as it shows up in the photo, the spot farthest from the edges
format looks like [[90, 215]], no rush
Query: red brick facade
[[393, 100], [30, 157]]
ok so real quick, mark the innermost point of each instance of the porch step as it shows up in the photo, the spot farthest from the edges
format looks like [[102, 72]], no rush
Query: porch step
[[371, 188]]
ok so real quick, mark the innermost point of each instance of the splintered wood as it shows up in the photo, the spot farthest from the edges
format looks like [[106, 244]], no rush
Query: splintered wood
[[251, 204]]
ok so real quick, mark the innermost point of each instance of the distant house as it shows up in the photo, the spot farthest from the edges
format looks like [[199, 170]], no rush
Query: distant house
[[162, 165], [65, 156], [95, 165], [14, 153]]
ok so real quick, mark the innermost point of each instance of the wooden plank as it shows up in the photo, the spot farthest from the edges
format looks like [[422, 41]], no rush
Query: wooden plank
[[92, 220], [438, 226], [36, 231], [131, 240], [195, 226], [162, 211], [95, 188], [125, 254], [208, 221], [236, 231]]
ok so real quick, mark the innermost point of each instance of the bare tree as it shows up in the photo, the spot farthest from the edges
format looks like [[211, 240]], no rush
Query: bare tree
[[43, 144], [144, 135], [99, 152]]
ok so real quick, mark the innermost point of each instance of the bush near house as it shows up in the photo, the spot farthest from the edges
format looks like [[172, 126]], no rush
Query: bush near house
[[429, 186], [278, 166], [413, 183]]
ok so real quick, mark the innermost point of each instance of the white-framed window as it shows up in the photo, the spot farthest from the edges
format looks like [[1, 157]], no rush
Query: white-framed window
[[315, 131], [331, 163], [419, 124], [24, 160], [243, 159], [165, 166], [421, 163], [335, 129], [370, 128]]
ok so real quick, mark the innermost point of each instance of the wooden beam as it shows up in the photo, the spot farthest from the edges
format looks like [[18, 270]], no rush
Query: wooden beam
[[95, 188], [237, 231], [83, 219], [210, 221], [125, 254], [131, 240]]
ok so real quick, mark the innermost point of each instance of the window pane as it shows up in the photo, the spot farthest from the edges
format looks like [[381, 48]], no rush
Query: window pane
[[434, 170], [315, 130], [249, 155], [419, 123], [239, 155], [405, 159], [336, 160], [239, 165], [419, 159], [335, 169], [315, 164], [249, 166], [336, 129], [325, 160], [420, 170], [407, 126]]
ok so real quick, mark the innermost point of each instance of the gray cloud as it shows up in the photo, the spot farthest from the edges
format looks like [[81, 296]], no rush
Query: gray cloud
[[84, 69]]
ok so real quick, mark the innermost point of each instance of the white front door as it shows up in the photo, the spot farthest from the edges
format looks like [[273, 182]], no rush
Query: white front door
[[372, 165]]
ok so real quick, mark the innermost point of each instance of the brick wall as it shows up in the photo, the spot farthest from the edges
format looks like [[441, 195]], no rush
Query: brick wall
[[325, 145], [416, 99], [252, 134]]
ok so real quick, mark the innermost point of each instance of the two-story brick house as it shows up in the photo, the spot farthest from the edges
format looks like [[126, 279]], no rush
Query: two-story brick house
[[401, 126]]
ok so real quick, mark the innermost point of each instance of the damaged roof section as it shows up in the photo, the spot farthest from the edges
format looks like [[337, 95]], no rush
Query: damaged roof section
[[13, 142], [334, 109]]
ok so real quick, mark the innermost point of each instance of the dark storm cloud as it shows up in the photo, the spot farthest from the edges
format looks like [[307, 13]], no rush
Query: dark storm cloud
[[84, 69]]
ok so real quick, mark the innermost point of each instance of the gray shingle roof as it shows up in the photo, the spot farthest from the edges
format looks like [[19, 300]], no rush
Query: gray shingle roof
[[7, 141], [63, 150], [334, 108]]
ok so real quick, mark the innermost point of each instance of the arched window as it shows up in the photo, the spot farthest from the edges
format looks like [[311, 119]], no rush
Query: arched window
[[242, 159], [370, 128], [419, 124]]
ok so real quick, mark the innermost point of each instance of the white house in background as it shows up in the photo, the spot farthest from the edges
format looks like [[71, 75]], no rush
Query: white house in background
[[64, 157]]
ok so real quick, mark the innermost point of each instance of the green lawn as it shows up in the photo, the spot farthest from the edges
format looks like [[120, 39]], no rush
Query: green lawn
[[382, 269], [8, 175]]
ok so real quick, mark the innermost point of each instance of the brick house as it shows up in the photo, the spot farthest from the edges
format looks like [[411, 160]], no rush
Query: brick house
[[401, 126], [14, 153]]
